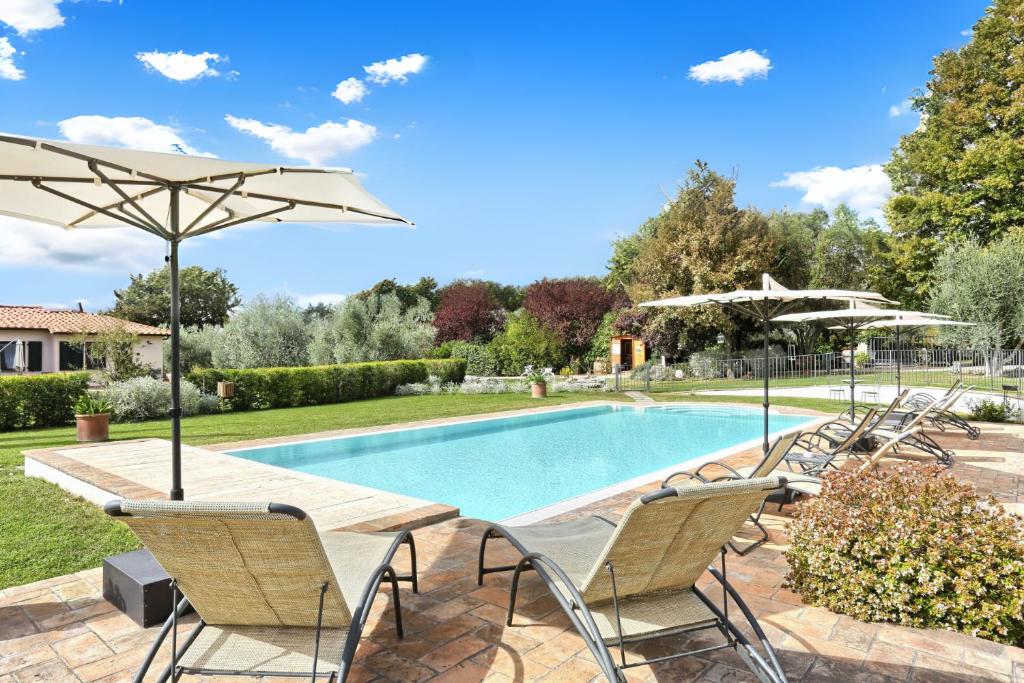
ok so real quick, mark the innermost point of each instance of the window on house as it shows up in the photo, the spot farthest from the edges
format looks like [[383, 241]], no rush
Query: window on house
[[76, 356], [8, 355]]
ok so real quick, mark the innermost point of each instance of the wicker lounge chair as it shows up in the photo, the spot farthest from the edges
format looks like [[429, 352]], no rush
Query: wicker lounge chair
[[767, 467], [274, 597], [634, 581], [810, 486], [816, 451], [941, 414]]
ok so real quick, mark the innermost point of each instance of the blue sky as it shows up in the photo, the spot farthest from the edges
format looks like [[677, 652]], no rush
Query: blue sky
[[519, 136]]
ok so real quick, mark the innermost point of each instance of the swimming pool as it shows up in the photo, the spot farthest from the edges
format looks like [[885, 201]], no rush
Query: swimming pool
[[499, 468]]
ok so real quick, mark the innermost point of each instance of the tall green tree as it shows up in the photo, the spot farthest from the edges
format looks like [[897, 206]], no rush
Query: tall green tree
[[373, 327], [959, 175], [845, 251], [795, 234], [700, 242], [408, 295], [207, 298], [265, 333]]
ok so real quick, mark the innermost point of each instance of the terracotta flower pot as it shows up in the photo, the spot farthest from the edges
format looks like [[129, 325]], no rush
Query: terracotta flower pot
[[539, 389], [93, 427]]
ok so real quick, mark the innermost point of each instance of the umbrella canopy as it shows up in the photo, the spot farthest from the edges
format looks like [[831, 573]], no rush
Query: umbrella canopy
[[907, 322], [20, 356], [858, 316], [764, 305], [174, 197]]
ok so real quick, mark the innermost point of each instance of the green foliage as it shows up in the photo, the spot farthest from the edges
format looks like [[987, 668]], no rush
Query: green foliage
[[844, 251], [261, 388], [509, 296], [862, 359], [601, 343], [480, 359], [409, 296], [983, 285], [40, 400], [958, 175], [265, 333], [117, 349], [145, 398], [373, 328], [987, 410], [207, 298], [196, 347], [525, 342], [912, 546], [92, 404], [795, 234]]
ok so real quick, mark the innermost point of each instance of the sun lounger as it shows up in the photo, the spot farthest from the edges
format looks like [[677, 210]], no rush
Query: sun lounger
[[274, 596], [812, 486], [768, 465], [635, 581]]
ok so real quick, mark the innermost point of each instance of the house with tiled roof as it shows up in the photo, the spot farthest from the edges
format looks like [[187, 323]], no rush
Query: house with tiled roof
[[38, 339]]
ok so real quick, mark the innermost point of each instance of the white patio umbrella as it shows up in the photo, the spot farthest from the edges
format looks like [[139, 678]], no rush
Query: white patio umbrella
[[174, 197], [857, 317], [763, 305], [20, 356], [900, 323]]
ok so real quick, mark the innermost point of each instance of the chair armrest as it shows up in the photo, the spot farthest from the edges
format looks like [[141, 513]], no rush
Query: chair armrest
[[732, 470], [683, 473]]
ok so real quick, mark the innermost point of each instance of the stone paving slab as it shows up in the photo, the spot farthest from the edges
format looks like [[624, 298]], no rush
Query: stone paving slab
[[62, 630]]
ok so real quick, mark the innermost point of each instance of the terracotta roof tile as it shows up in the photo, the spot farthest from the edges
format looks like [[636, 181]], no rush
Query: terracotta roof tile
[[68, 322]]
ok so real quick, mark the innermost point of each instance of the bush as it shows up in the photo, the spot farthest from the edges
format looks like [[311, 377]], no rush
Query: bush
[[912, 546], [375, 327], [266, 333], [480, 359], [524, 342], [40, 400], [987, 410], [145, 398], [261, 388], [709, 363]]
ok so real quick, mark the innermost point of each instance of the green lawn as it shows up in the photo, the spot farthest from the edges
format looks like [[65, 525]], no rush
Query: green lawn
[[45, 532]]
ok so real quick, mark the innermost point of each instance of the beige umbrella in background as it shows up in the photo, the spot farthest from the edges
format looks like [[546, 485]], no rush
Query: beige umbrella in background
[[857, 317], [174, 197], [899, 323], [763, 305]]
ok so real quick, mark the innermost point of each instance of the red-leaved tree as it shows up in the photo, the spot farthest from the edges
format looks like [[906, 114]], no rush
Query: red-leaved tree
[[467, 311], [572, 307]]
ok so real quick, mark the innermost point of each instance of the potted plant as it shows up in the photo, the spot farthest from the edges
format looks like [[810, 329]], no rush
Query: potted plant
[[92, 418], [538, 384]]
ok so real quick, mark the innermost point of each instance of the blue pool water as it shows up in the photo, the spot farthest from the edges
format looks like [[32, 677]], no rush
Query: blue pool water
[[498, 468]]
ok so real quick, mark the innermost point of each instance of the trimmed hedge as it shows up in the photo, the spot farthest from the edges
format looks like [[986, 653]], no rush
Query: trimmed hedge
[[40, 400], [261, 388]]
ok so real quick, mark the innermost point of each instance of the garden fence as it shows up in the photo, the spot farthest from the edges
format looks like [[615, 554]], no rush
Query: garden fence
[[997, 370]]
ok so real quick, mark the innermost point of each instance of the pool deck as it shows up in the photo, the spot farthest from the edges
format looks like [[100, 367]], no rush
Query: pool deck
[[141, 469], [62, 630]]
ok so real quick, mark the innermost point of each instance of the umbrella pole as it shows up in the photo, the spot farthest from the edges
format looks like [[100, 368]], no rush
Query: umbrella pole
[[177, 493], [764, 444], [853, 386]]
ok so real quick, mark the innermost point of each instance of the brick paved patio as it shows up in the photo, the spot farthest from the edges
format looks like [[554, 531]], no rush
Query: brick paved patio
[[62, 630]]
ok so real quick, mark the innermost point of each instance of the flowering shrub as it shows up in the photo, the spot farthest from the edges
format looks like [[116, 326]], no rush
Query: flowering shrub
[[912, 546], [987, 410]]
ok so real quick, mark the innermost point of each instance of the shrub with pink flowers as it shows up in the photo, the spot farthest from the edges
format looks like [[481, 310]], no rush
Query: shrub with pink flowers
[[911, 546]]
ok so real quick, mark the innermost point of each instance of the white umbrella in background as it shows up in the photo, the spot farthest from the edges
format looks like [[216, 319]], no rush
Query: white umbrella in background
[[20, 356], [899, 323], [173, 197], [857, 317], [763, 305]]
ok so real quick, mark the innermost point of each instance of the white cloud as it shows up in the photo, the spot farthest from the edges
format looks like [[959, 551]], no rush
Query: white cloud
[[967, 33], [179, 66], [37, 245], [398, 69], [864, 188], [30, 15], [7, 68], [316, 145], [350, 90], [735, 66], [135, 132], [329, 298], [902, 109]]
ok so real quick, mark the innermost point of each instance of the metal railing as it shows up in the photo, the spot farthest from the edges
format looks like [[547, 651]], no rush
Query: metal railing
[[997, 371]]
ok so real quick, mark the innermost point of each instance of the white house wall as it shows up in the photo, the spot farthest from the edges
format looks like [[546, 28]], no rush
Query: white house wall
[[149, 349]]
